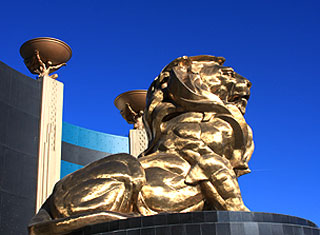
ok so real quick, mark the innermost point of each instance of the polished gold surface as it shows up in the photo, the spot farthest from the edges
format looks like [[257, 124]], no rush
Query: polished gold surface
[[199, 143], [131, 105], [45, 55]]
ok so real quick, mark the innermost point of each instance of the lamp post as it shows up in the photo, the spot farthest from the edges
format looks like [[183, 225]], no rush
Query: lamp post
[[43, 56], [131, 105]]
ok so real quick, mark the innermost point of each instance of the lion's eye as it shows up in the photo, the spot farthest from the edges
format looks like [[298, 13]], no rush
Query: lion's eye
[[228, 72]]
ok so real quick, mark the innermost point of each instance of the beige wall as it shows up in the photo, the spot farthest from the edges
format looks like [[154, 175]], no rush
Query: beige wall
[[138, 141], [49, 156]]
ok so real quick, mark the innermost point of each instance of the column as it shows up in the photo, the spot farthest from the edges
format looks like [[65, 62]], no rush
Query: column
[[49, 155]]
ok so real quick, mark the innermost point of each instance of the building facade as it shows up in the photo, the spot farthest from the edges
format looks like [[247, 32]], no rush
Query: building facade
[[24, 140]]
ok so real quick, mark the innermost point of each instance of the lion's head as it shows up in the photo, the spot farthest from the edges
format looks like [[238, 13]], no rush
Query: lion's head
[[199, 84], [205, 78]]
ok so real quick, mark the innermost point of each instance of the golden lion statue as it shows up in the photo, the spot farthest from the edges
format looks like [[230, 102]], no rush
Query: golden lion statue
[[199, 143]]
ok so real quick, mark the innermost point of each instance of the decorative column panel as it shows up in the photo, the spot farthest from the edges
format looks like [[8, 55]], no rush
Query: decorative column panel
[[138, 141], [49, 156]]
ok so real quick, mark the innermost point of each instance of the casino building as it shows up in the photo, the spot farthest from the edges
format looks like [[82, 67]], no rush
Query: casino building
[[37, 148]]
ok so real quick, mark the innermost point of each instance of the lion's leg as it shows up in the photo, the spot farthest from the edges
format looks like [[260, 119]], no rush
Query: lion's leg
[[223, 192], [221, 188], [165, 189], [106, 185], [91, 195], [103, 190]]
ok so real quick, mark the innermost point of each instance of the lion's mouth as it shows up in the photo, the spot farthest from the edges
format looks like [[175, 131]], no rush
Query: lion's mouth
[[238, 97], [240, 101]]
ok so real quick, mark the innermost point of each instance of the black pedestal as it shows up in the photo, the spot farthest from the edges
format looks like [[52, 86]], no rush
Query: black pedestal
[[206, 222]]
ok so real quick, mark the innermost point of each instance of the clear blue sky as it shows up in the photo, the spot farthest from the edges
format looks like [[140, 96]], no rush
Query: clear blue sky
[[123, 45]]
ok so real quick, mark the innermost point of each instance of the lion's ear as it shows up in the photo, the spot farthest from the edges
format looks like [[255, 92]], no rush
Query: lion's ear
[[220, 60], [184, 62]]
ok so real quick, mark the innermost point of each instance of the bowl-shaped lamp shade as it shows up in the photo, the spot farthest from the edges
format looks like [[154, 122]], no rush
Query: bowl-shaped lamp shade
[[136, 99], [50, 49]]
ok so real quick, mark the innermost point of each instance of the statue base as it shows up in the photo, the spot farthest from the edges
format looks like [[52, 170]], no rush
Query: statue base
[[206, 222]]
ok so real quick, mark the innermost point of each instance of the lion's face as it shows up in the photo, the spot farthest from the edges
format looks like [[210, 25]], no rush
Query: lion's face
[[206, 76], [228, 85]]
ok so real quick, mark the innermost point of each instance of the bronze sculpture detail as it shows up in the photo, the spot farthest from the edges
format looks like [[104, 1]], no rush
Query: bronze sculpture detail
[[131, 105], [37, 66], [199, 143], [45, 55]]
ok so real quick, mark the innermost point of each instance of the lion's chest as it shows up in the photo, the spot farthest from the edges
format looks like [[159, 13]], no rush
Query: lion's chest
[[190, 135]]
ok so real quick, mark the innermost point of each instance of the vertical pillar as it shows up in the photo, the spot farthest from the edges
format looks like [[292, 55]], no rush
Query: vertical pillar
[[138, 141], [49, 156]]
